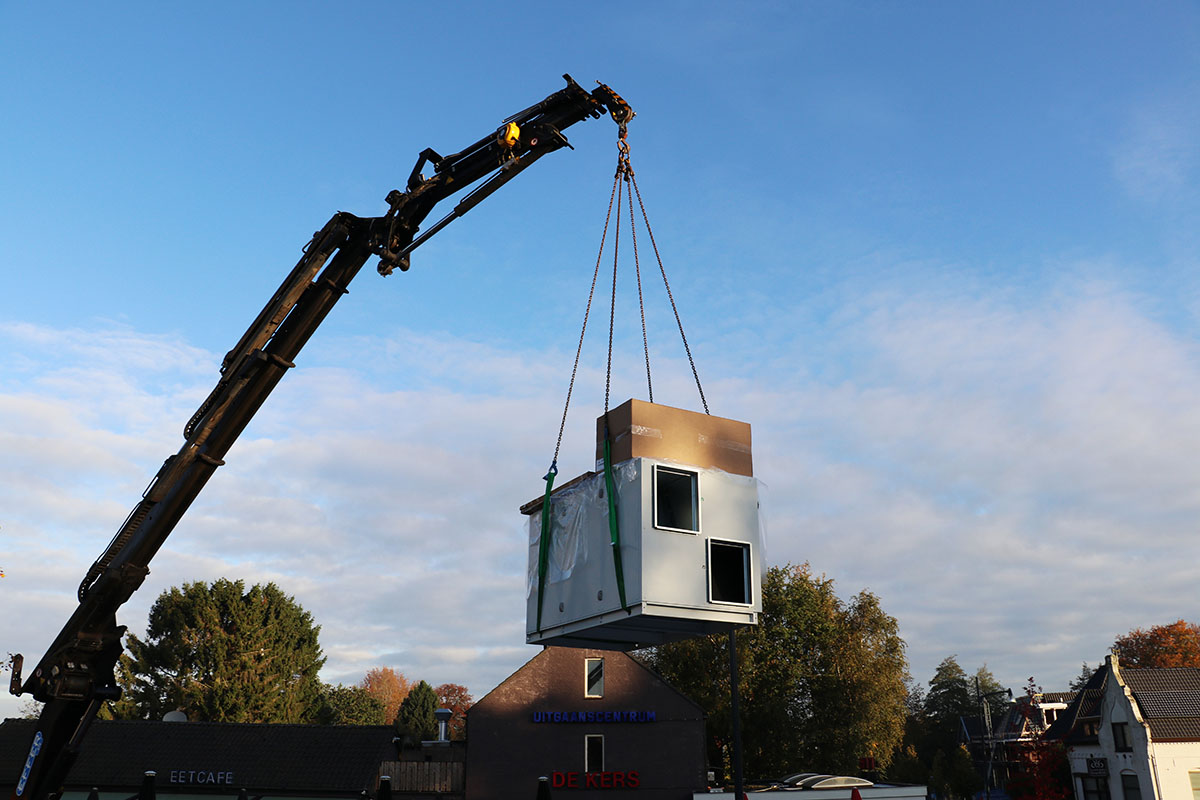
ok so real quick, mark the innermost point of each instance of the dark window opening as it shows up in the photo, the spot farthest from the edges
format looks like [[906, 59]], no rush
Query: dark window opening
[[1130, 787], [729, 572], [1094, 788], [676, 499], [593, 753], [593, 677], [1120, 731]]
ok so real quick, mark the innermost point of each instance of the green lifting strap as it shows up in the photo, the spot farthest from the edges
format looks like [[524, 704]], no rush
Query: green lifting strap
[[613, 531], [544, 544]]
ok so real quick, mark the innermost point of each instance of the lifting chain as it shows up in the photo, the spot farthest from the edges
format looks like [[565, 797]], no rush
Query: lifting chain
[[624, 175]]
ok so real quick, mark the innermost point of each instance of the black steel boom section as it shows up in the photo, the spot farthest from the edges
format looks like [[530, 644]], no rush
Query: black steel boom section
[[76, 675]]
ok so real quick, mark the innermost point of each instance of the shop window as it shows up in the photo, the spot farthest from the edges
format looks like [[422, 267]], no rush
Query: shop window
[[593, 753], [1129, 786], [1094, 788], [676, 499], [1120, 731], [593, 677], [729, 572]]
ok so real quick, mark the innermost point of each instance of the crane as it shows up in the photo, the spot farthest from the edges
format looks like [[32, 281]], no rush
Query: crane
[[76, 675]]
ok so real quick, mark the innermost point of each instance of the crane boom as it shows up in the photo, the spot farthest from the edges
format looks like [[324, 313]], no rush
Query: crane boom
[[76, 675]]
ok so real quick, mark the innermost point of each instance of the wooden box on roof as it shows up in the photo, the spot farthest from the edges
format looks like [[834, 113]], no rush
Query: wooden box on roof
[[685, 556]]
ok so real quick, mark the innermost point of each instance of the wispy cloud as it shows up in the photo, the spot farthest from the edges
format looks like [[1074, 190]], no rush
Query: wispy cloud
[[1009, 475]]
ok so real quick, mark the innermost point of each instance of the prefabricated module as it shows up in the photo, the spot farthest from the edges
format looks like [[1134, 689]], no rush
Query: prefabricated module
[[661, 543]]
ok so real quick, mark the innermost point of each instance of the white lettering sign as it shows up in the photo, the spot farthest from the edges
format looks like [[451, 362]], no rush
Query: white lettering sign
[[205, 776]]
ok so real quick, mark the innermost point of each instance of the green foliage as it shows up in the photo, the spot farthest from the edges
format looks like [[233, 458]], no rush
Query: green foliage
[[415, 722], [348, 705], [221, 653], [822, 682], [985, 688]]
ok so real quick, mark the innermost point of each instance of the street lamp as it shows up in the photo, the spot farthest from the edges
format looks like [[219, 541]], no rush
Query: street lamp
[[989, 740]]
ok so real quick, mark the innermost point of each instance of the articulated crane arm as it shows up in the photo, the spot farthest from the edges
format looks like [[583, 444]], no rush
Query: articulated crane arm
[[76, 675]]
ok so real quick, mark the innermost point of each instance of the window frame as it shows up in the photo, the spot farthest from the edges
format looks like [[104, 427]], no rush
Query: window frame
[[1125, 788], [1100, 790], [588, 739], [747, 571], [654, 487], [587, 677]]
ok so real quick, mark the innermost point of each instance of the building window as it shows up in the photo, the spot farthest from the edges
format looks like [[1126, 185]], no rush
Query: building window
[[1129, 786], [729, 572], [676, 499], [1120, 732], [1195, 779], [1095, 788], [593, 753], [593, 677]]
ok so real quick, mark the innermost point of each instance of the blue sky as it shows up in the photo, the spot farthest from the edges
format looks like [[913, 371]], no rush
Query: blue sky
[[942, 256]]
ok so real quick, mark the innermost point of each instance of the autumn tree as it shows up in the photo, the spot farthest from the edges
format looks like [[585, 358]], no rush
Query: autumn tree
[[1173, 645], [347, 705], [822, 681], [1044, 772], [415, 722], [455, 697], [222, 653], [388, 687]]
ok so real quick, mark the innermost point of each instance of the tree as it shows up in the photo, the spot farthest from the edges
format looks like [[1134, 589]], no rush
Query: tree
[[986, 689], [1173, 645], [949, 699], [347, 705], [1081, 681], [221, 653], [388, 687], [822, 682], [455, 697], [415, 722]]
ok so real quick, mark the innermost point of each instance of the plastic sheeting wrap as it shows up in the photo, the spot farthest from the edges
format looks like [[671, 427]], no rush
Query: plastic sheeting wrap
[[573, 507], [681, 579]]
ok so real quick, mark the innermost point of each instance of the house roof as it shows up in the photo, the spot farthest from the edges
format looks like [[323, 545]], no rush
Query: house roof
[[1085, 706], [280, 759], [1169, 700]]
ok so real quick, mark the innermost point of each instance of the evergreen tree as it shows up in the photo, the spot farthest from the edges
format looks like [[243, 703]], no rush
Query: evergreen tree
[[1081, 680], [222, 653], [415, 722], [348, 705]]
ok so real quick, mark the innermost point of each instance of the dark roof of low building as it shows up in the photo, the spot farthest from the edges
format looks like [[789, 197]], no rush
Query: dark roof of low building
[[1058, 697], [281, 759]]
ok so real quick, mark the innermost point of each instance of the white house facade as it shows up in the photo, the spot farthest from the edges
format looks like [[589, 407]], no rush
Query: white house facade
[[1133, 734]]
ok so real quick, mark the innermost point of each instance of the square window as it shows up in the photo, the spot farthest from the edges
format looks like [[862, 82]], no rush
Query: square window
[[593, 753], [729, 572], [593, 677], [1094, 788], [676, 499]]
